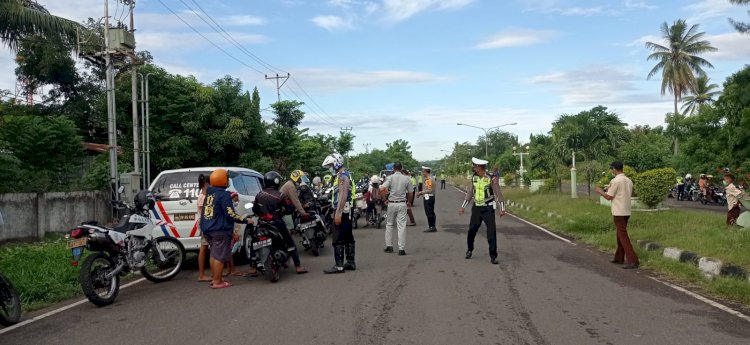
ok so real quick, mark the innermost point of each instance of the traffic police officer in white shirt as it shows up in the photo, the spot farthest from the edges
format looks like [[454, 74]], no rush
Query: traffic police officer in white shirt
[[485, 191]]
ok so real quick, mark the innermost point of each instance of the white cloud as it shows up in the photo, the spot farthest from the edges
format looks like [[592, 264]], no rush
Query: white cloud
[[516, 38], [710, 9], [332, 79], [398, 10], [242, 20], [333, 23], [580, 11], [634, 4]]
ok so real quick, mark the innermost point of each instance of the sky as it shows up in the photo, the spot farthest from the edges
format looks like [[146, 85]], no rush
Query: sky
[[413, 69]]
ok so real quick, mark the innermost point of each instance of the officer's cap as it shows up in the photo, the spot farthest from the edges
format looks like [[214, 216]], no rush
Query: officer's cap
[[477, 161], [426, 168]]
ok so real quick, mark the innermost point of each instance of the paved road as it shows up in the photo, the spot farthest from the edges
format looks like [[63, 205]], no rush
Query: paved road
[[544, 291]]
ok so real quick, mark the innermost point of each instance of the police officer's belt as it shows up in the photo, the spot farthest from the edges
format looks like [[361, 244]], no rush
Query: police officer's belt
[[397, 202]]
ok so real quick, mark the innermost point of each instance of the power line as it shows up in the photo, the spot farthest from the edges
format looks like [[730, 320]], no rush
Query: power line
[[227, 36], [207, 39]]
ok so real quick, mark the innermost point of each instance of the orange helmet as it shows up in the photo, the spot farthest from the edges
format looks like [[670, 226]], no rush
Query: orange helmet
[[219, 178]]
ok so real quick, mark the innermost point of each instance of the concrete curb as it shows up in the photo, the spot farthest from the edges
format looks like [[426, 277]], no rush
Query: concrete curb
[[680, 255]]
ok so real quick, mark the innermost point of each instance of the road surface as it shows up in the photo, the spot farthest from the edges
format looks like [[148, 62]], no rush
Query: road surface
[[545, 291]]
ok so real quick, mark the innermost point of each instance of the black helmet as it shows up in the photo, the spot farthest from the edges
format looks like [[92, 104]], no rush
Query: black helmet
[[272, 179]]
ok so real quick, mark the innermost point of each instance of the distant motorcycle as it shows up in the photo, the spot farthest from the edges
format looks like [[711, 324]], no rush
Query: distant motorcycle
[[125, 248], [714, 196], [312, 229], [10, 302]]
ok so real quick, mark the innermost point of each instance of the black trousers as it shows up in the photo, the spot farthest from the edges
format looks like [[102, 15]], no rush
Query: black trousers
[[442, 184], [484, 214], [419, 187], [342, 234], [429, 211]]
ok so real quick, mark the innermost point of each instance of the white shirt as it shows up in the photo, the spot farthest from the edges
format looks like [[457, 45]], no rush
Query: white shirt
[[621, 188]]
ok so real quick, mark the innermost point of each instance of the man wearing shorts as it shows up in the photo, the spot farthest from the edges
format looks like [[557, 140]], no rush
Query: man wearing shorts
[[217, 223]]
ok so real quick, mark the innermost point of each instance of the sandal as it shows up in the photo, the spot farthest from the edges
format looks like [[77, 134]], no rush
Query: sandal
[[301, 270], [204, 280], [225, 284]]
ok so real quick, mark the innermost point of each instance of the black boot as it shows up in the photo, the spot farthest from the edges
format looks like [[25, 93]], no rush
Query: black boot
[[350, 264], [339, 255]]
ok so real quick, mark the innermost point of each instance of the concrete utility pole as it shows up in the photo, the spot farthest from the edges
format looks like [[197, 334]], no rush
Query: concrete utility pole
[[367, 148], [111, 118], [134, 98], [347, 129], [279, 84], [521, 154]]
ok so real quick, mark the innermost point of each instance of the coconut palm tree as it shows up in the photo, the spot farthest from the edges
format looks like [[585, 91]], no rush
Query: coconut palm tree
[[702, 93], [678, 58], [21, 18], [740, 26]]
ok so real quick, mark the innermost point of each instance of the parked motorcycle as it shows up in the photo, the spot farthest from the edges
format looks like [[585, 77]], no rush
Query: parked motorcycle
[[10, 302], [125, 248], [313, 231], [715, 196], [269, 248]]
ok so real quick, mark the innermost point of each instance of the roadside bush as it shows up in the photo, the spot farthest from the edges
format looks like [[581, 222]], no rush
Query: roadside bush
[[508, 178], [550, 185], [628, 170], [526, 179], [653, 186]]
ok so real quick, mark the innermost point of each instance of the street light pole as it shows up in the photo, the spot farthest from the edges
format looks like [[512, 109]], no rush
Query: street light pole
[[521, 154], [487, 135], [573, 179]]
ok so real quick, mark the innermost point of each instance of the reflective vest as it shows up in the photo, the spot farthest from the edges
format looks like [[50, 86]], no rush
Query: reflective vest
[[442, 176], [414, 181], [335, 194], [483, 192], [421, 179]]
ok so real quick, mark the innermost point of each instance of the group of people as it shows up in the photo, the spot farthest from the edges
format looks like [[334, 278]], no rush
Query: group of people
[[220, 224]]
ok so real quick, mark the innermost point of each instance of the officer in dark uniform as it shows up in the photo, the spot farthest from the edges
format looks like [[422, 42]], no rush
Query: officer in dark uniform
[[429, 198], [488, 199]]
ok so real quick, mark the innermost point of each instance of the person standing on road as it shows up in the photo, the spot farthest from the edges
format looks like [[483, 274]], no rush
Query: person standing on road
[[429, 199], [217, 224], [400, 196], [420, 182], [291, 194], [341, 198], [203, 186], [733, 199], [442, 180], [487, 196], [409, 212], [619, 193]]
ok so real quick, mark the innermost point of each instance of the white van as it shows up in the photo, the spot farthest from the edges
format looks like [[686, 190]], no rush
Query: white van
[[179, 204]]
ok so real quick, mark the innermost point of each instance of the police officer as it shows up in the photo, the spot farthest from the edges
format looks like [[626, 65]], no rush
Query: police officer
[[420, 182], [342, 198], [429, 198], [442, 180], [409, 212], [485, 191]]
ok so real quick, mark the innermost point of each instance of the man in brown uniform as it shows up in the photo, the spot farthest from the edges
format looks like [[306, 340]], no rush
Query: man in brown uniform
[[619, 193], [733, 199]]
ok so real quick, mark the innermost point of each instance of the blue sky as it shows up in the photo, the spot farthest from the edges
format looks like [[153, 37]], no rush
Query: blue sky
[[411, 69]]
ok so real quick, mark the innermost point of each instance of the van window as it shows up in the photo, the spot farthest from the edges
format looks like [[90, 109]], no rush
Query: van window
[[252, 184], [179, 185], [238, 184]]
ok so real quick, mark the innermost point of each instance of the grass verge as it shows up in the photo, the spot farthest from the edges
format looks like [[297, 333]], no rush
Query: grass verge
[[700, 232], [41, 272]]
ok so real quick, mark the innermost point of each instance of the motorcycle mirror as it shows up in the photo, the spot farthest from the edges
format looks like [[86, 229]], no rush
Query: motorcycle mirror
[[120, 190]]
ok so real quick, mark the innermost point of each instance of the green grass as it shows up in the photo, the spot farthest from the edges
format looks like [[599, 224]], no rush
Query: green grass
[[41, 272], [701, 232]]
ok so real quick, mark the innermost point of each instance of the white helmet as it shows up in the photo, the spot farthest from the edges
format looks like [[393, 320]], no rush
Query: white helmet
[[689, 177], [334, 159], [316, 180], [375, 179]]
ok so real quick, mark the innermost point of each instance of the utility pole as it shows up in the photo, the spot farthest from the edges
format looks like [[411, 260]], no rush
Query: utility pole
[[573, 179], [111, 118], [134, 98], [347, 129], [367, 148], [279, 84], [521, 154]]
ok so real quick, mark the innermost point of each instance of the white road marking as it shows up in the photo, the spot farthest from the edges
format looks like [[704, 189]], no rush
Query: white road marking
[[59, 310], [710, 302], [706, 300], [543, 229], [534, 225]]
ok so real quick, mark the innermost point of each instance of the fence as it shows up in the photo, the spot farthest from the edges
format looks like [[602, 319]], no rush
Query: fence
[[32, 215]]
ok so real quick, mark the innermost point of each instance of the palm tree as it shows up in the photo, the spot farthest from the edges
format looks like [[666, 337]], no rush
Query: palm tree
[[678, 59], [740, 26], [701, 94], [21, 18]]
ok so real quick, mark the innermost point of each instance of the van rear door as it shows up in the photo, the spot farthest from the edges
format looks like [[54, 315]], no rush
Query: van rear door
[[179, 205]]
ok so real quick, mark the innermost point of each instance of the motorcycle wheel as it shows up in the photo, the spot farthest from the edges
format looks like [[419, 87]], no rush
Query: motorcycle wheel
[[99, 290], [159, 271], [315, 250], [10, 303], [355, 221], [380, 221]]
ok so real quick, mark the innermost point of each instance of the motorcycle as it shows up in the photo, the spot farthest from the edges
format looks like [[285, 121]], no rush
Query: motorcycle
[[715, 196], [125, 248], [312, 228], [10, 302], [691, 192], [269, 248]]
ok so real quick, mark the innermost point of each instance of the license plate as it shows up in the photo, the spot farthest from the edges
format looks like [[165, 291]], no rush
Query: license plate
[[262, 244], [76, 243], [308, 225], [182, 217]]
